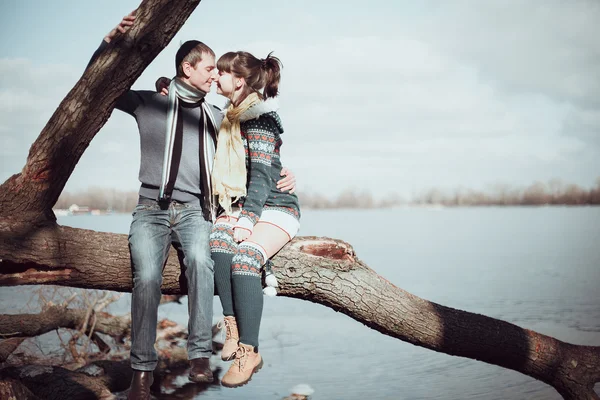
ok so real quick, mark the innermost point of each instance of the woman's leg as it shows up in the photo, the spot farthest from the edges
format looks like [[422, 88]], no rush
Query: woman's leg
[[223, 247], [266, 240]]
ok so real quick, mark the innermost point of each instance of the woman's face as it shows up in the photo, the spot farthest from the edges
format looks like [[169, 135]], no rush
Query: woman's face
[[225, 84]]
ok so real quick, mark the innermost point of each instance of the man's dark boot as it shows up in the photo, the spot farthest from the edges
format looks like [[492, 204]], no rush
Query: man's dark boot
[[140, 385], [200, 371]]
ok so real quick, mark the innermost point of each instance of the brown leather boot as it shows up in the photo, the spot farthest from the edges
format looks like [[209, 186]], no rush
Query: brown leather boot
[[231, 339], [200, 371], [246, 363], [140, 385]]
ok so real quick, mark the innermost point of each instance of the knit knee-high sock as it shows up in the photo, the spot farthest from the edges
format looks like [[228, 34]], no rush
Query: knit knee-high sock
[[247, 291], [222, 248], [223, 281]]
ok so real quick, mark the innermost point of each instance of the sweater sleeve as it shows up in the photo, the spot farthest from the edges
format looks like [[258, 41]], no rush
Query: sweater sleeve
[[261, 150], [130, 100]]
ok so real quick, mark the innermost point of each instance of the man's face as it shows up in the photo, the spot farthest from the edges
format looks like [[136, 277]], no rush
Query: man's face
[[203, 74]]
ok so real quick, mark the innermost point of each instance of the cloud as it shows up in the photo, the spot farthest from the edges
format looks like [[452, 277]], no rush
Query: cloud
[[399, 98], [551, 48], [583, 124], [417, 109], [465, 92]]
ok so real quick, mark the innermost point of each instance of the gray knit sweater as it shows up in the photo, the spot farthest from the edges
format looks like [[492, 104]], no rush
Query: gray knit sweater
[[149, 108], [150, 111]]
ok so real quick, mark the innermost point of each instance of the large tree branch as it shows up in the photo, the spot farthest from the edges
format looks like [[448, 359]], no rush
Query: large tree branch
[[52, 157], [327, 272]]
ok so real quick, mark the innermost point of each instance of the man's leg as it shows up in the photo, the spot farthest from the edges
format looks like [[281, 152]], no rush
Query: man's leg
[[149, 241], [193, 233]]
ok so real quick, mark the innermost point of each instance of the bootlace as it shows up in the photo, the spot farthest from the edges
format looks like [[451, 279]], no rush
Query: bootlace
[[241, 356], [229, 324]]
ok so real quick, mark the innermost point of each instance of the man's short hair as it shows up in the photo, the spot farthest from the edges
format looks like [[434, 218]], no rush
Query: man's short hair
[[191, 52]]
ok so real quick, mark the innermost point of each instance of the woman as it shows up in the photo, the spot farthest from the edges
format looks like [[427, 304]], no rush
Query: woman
[[258, 219]]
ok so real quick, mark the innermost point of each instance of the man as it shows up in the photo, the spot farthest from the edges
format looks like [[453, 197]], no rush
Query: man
[[177, 137]]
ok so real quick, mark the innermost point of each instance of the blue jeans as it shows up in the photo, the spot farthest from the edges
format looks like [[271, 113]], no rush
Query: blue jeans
[[152, 231]]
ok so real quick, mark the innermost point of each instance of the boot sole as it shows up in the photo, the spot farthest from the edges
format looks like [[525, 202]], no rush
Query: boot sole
[[254, 371]]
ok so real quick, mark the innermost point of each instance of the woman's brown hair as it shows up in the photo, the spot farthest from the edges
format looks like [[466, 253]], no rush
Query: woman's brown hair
[[258, 73]]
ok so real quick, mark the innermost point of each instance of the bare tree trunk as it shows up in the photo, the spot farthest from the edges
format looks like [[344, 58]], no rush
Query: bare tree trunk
[[31, 194], [34, 250]]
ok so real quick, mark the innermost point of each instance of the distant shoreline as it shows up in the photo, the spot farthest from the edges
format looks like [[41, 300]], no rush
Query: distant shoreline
[[100, 213], [552, 193]]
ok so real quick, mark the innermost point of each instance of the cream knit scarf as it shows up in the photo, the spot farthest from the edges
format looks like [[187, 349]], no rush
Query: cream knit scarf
[[229, 168]]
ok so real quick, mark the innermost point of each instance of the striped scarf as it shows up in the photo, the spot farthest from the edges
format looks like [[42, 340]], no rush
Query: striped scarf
[[179, 90]]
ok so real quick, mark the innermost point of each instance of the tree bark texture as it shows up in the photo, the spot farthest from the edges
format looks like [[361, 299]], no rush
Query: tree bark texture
[[31, 194]]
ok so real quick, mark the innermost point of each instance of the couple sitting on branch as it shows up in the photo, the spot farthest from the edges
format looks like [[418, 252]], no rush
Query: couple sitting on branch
[[210, 185]]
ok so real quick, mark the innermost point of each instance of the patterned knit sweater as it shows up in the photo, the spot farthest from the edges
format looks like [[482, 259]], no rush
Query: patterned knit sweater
[[261, 132]]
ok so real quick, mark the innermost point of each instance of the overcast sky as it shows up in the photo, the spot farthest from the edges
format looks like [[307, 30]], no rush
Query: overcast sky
[[387, 96]]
